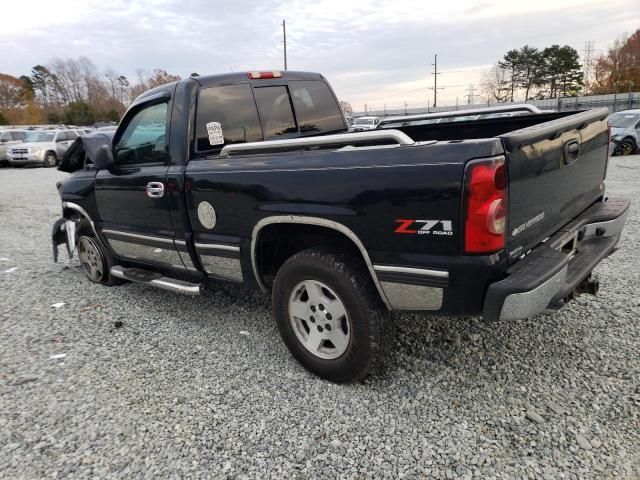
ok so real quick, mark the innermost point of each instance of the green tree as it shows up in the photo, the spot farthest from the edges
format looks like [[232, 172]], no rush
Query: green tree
[[511, 64], [113, 115], [562, 75], [3, 119], [79, 113], [531, 68]]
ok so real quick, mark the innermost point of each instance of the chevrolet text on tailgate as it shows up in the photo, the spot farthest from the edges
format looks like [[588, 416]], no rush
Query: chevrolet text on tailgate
[[253, 178]]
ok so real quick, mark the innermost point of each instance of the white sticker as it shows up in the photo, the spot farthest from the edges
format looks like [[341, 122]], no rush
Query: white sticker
[[214, 129]]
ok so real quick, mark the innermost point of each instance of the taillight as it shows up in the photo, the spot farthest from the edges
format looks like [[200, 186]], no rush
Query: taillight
[[487, 194], [263, 75]]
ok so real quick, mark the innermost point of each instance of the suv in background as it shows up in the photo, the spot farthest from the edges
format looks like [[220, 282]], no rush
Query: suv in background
[[8, 138], [42, 147]]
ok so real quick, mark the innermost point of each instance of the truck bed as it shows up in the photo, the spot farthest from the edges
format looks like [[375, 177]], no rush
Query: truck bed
[[556, 165]]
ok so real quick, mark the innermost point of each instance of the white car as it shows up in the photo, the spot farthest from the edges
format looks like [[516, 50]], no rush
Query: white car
[[41, 147], [7, 139], [365, 123]]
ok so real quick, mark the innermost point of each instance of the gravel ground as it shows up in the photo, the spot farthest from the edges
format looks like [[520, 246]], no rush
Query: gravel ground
[[205, 388]]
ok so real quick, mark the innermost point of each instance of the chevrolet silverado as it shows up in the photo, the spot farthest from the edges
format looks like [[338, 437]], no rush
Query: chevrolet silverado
[[253, 178]]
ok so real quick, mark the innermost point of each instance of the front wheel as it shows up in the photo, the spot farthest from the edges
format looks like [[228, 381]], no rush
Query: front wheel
[[95, 261], [625, 147], [330, 316], [50, 160]]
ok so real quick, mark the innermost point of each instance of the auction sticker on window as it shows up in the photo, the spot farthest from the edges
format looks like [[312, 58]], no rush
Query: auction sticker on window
[[214, 129]]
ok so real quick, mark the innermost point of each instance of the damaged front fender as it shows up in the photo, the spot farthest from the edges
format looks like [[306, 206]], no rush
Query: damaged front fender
[[64, 231]]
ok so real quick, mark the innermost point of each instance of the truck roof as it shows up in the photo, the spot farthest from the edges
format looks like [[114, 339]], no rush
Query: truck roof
[[236, 77]]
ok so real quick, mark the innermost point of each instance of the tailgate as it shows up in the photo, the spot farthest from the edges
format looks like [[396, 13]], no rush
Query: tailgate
[[556, 170]]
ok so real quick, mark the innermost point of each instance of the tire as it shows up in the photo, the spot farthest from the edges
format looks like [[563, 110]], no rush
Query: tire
[[50, 160], [336, 298], [95, 260], [626, 147]]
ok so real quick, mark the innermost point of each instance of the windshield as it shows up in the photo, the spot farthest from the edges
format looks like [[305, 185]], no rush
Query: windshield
[[623, 120], [364, 121], [39, 137]]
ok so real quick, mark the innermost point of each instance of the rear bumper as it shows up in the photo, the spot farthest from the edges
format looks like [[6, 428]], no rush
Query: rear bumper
[[551, 273]]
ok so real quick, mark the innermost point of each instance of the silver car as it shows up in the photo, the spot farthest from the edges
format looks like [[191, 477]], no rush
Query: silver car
[[43, 147], [625, 132], [365, 123], [7, 139]]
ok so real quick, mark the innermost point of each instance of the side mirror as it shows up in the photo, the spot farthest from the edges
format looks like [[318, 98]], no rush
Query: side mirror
[[104, 158]]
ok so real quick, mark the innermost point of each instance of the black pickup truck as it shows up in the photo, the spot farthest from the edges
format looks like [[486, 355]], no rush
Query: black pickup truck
[[253, 178]]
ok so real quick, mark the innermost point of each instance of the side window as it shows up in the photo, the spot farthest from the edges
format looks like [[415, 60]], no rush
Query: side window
[[275, 111], [5, 137], [316, 107], [71, 135], [233, 107], [60, 137], [144, 139]]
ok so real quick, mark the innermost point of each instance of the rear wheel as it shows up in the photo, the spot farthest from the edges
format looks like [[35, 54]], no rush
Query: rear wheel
[[95, 261], [330, 316], [50, 160], [625, 147]]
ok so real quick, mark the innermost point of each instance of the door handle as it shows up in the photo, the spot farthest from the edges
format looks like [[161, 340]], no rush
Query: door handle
[[155, 189], [571, 151]]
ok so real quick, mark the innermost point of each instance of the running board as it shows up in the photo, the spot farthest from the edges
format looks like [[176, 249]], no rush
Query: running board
[[156, 279]]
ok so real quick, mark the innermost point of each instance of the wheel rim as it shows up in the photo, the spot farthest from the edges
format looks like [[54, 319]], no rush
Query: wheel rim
[[625, 148], [319, 319], [91, 258], [50, 160]]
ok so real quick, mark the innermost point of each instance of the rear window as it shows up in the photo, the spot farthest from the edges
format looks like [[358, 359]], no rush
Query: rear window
[[275, 111], [316, 107], [233, 107]]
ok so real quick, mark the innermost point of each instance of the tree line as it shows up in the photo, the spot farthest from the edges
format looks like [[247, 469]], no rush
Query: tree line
[[557, 71], [72, 91]]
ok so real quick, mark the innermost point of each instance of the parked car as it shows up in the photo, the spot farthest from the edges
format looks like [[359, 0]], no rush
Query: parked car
[[252, 178], [365, 123], [42, 147], [625, 132], [7, 139]]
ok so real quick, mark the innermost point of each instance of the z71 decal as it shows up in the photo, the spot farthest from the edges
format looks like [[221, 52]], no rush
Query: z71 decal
[[427, 227]]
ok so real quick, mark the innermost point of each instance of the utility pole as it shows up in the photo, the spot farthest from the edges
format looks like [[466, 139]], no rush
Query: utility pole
[[435, 81], [385, 110], [284, 34], [365, 108], [405, 107]]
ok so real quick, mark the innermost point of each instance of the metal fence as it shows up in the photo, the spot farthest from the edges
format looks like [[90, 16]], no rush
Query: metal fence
[[614, 102]]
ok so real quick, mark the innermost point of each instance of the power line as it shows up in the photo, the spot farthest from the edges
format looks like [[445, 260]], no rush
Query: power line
[[587, 62], [472, 90]]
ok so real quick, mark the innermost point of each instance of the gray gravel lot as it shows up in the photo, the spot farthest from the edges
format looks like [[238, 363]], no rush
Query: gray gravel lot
[[180, 390]]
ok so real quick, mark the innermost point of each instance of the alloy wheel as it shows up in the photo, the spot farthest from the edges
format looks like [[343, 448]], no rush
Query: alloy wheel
[[91, 258], [319, 319]]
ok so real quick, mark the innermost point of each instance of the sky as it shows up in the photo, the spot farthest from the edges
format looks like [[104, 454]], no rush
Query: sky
[[374, 52]]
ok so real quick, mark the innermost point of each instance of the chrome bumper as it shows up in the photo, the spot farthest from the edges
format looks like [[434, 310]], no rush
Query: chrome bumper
[[549, 275]]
